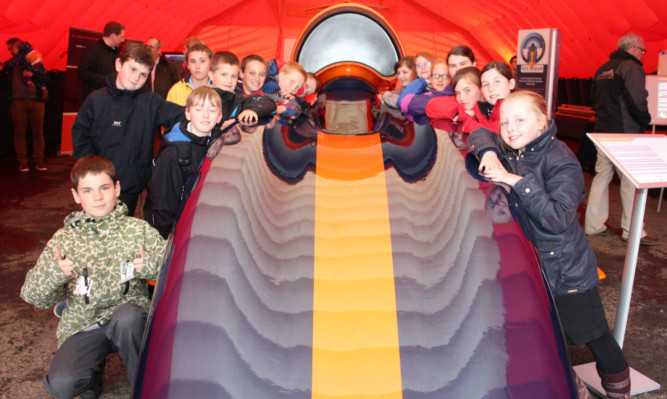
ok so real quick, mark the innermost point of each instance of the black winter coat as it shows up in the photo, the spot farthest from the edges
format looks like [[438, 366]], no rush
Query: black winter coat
[[179, 159], [97, 63], [166, 75], [550, 193], [234, 103], [619, 95], [120, 125]]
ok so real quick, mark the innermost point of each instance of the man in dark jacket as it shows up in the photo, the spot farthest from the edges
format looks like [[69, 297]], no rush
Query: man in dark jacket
[[619, 99], [27, 109], [119, 122], [165, 73], [99, 60]]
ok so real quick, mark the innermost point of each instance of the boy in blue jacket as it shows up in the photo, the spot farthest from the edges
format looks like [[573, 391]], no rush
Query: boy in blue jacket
[[179, 159]]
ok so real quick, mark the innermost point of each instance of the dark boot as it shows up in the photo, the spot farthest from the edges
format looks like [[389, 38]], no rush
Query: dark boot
[[616, 385]]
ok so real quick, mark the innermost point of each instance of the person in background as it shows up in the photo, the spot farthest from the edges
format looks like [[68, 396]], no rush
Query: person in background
[[187, 43], [406, 73], [460, 57], [282, 89], [413, 105], [253, 75], [165, 73], [198, 58], [444, 111], [497, 83], [27, 108], [247, 110], [513, 65], [99, 60], [620, 102], [30, 60]]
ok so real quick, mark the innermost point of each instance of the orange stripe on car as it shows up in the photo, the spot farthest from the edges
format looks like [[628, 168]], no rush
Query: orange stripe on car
[[355, 329]]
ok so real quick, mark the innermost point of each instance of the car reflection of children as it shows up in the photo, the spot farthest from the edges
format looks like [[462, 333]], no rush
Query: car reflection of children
[[496, 205], [549, 185]]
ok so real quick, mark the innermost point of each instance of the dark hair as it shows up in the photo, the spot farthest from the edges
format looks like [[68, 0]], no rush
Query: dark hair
[[463, 51], [223, 57], [198, 47], [512, 59], [138, 52], [250, 58], [91, 164], [499, 66], [408, 61], [112, 28], [13, 40], [470, 73]]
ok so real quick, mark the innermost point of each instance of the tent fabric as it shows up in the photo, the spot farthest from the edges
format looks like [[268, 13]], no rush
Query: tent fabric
[[589, 28]]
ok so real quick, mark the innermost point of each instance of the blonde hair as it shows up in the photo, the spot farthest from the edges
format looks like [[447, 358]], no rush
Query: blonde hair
[[200, 95], [537, 102], [294, 67]]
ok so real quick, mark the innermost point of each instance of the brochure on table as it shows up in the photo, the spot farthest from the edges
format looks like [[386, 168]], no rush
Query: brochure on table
[[643, 157]]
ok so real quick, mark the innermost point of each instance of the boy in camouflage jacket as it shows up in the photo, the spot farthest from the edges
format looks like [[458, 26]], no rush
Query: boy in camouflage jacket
[[99, 261]]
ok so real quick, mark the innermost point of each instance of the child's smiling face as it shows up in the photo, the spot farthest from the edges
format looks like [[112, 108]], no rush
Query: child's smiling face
[[519, 123], [495, 86], [290, 82], [253, 76]]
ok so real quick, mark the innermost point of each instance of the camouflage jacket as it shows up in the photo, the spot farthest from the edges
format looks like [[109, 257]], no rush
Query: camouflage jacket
[[101, 245]]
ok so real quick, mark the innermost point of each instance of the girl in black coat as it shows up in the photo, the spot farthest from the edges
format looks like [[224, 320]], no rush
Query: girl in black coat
[[548, 182]]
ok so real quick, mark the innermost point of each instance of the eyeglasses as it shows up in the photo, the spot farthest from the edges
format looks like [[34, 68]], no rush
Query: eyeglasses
[[424, 64], [641, 49], [439, 76]]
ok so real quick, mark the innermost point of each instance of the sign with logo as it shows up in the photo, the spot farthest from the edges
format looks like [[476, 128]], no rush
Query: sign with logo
[[538, 58]]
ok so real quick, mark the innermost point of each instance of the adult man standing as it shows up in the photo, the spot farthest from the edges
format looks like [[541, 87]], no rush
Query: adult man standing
[[619, 99], [99, 60], [27, 108], [165, 73]]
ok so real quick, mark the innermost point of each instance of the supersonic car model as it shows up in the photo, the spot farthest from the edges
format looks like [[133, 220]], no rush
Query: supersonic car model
[[350, 256]]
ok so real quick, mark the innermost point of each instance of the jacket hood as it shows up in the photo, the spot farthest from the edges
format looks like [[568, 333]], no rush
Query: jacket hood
[[82, 222], [180, 133], [624, 55]]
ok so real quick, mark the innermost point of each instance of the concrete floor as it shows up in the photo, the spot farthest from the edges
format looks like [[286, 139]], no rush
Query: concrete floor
[[33, 205]]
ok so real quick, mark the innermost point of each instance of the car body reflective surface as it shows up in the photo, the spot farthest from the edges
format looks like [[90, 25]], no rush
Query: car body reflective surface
[[308, 263]]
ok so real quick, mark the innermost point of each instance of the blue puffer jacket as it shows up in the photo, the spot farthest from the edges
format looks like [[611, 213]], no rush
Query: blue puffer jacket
[[550, 193]]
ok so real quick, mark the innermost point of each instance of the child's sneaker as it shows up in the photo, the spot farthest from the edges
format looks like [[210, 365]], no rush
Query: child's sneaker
[[59, 309]]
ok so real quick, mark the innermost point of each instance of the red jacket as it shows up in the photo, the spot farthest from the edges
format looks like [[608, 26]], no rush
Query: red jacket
[[442, 110]]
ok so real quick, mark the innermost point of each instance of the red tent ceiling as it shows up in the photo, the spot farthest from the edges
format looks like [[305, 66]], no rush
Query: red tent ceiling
[[589, 28]]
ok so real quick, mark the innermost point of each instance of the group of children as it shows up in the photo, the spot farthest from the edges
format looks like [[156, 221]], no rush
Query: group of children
[[516, 146], [100, 259]]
